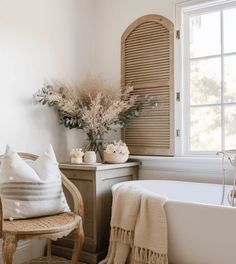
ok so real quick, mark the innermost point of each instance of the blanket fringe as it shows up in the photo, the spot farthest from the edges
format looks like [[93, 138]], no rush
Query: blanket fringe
[[144, 255], [122, 235]]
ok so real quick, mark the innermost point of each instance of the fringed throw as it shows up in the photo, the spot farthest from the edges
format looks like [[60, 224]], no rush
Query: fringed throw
[[144, 255], [121, 235], [138, 228]]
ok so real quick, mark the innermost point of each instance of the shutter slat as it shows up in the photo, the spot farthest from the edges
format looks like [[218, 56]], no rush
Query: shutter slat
[[147, 25], [147, 40], [151, 143], [154, 44], [142, 52], [145, 63], [152, 89], [140, 57], [151, 135], [152, 78], [154, 73], [145, 57], [148, 58], [151, 65], [147, 125], [142, 35], [148, 71], [145, 31]]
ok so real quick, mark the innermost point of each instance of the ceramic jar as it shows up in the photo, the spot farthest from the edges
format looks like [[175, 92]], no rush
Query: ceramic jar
[[76, 160], [90, 157]]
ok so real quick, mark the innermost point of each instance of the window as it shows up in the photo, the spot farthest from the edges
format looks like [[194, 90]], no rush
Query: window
[[209, 77]]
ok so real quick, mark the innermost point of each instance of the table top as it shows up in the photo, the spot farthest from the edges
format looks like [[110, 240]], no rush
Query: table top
[[98, 166]]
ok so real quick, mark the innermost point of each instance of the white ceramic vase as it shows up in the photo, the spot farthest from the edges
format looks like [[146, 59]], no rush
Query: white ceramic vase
[[90, 157], [115, 157]]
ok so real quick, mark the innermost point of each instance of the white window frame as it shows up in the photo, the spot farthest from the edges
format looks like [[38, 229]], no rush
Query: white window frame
[[183, 10]]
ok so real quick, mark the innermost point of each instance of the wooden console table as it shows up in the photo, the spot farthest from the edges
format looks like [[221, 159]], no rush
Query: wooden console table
[[94, 182]]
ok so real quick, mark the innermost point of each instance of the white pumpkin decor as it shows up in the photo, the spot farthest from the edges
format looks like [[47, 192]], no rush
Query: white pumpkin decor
[[76, 156], [116, 152]]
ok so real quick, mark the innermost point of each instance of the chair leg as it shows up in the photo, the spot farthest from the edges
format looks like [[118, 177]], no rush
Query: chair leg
[[9, 248], [49, 251], [78, 243]]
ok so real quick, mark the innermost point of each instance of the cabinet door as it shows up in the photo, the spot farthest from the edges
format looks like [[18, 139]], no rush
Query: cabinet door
[[105, 181], [85, 182]]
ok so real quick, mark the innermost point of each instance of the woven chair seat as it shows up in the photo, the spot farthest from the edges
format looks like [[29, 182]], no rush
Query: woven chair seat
[[41, 225]]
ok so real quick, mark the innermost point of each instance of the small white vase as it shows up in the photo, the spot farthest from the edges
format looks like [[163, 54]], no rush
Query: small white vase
[[76, 160], [90, 157], [115, 157]]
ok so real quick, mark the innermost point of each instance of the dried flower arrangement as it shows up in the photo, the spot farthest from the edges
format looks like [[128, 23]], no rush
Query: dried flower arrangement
[[94, 106]]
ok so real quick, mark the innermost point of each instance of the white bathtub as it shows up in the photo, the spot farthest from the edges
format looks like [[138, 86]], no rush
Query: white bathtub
[[200, 231]]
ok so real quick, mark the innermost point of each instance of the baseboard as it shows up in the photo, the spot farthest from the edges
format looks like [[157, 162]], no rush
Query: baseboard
[[85, 257]]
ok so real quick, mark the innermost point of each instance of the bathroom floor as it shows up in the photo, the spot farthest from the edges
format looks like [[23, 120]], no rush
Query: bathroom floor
[[55, 260]]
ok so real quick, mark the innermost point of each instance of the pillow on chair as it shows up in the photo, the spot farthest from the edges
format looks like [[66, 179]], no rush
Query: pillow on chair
[[31, 190]]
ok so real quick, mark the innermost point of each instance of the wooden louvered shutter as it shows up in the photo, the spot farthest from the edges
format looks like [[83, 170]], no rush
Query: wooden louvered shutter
[[147, 64]]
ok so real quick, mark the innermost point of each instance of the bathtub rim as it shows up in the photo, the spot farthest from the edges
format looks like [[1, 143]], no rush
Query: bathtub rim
[[115, 186]]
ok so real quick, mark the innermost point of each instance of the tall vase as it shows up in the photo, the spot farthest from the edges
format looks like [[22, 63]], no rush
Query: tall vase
[[95, 144]]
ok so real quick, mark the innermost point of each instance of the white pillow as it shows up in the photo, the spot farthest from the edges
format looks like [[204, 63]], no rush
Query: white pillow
[[31, 190]]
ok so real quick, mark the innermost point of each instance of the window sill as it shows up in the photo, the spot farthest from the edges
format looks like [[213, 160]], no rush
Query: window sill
[[199, 163]]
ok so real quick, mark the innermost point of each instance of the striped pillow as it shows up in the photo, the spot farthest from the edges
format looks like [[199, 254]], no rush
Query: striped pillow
[[31, 190]]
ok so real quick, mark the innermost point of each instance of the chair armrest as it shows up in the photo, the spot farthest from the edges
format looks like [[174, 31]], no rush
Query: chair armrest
[[76, 195]]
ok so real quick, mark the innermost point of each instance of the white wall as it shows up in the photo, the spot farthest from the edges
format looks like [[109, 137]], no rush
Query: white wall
[[201, 169], [41, 39]]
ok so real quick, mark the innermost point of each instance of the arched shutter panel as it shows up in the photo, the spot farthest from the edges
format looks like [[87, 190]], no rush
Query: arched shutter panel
[[147, 64]]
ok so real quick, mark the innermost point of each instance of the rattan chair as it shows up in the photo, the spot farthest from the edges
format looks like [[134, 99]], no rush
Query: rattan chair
[[50, 227]]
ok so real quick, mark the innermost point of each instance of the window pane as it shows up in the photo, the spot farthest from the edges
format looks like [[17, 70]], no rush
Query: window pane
[[230, 127], [229, 17], [205, 81], [205, 35], [205, 132], [230, 79]]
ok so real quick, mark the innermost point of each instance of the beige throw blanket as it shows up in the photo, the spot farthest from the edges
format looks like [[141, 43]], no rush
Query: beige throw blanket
[[138, 228]]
